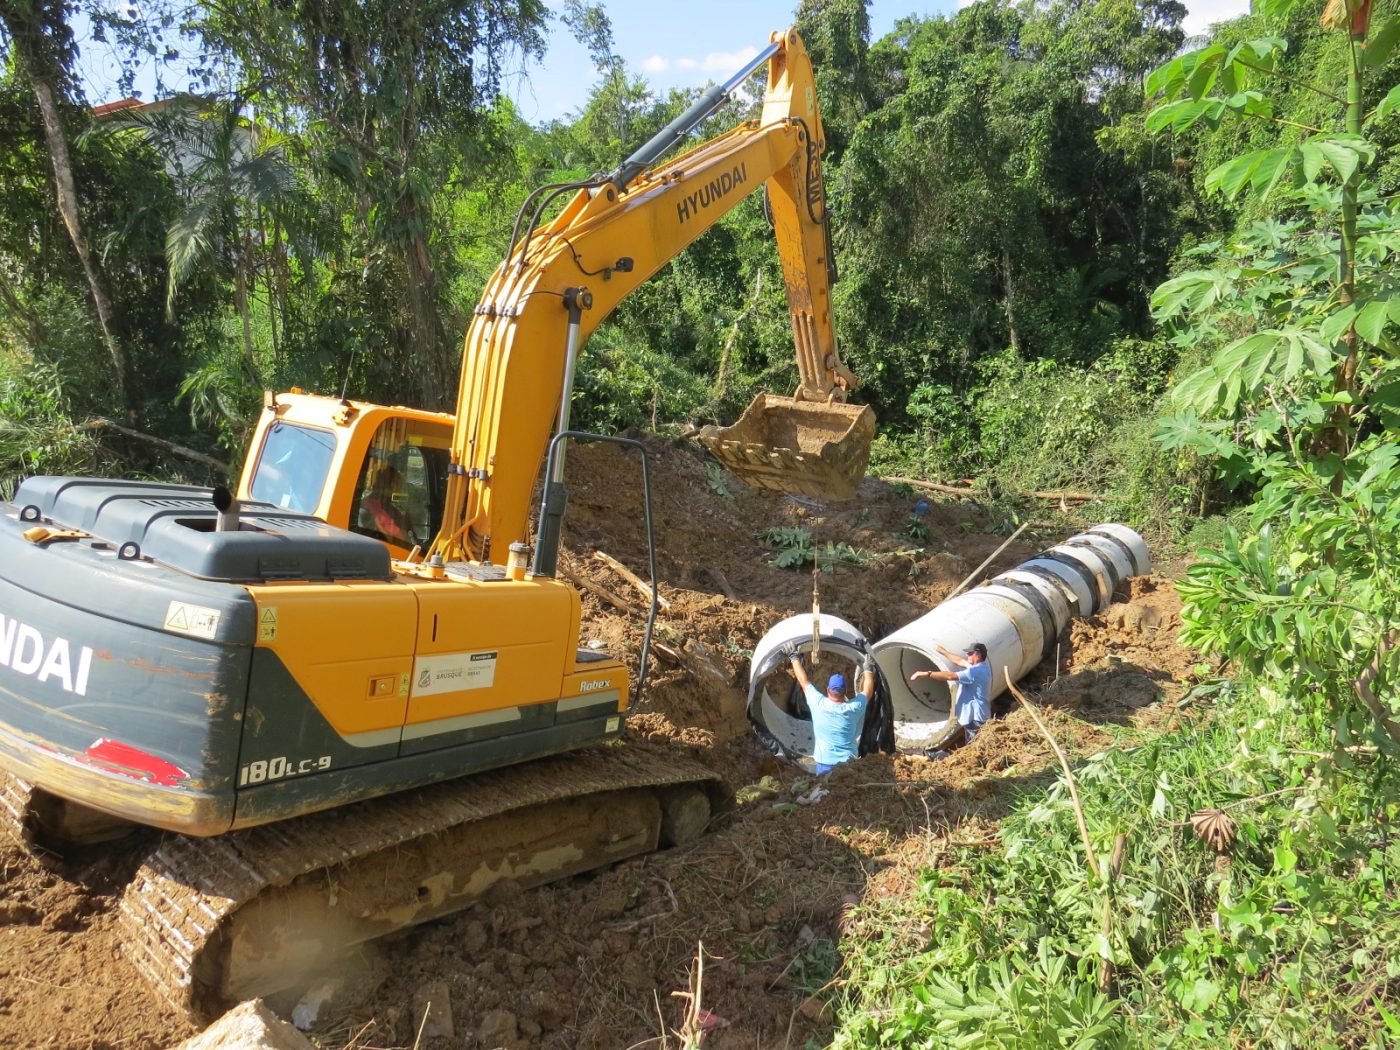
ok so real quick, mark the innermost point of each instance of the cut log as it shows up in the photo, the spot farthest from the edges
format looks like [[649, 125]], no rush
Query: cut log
[[600, 592], [967, 490], [632, 578]]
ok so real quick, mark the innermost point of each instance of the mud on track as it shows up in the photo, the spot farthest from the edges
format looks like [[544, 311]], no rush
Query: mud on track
[[593, 962]]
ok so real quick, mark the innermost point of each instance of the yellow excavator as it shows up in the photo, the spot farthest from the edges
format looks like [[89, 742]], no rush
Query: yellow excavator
[[296, 679]]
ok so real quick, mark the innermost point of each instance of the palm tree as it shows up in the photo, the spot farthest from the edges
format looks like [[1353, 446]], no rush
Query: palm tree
[[230, 185]]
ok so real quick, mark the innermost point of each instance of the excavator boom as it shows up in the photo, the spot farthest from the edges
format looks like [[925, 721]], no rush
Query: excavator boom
[[563, 278]]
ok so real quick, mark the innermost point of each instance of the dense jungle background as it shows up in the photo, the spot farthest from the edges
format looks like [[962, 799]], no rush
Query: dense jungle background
[[1078, 252]]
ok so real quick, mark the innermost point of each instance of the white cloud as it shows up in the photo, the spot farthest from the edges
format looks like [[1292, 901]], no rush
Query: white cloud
[[728, 61], [716, 63], [1202, 14]]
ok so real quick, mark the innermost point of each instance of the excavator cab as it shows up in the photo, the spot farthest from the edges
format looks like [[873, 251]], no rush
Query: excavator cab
[[808, 448]]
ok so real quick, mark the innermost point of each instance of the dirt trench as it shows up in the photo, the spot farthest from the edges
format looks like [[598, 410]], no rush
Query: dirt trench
[[753, 912]]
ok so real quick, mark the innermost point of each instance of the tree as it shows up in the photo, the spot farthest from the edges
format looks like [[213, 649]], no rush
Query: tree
[[229, 183], [384, 94], [1301, 395], [37, 34]]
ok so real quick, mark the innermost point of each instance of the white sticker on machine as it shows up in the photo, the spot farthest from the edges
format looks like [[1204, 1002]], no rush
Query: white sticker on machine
[[192, 619], [453, 672]]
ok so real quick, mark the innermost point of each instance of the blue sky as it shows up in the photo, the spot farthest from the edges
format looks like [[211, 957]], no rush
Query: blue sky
[[675, 46], [669, 45]]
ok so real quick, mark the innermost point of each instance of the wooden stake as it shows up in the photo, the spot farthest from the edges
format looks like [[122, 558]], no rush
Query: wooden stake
[[992, 558], [1089, 853]]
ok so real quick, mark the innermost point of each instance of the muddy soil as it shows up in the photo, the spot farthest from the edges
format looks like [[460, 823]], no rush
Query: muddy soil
[[735, 936]]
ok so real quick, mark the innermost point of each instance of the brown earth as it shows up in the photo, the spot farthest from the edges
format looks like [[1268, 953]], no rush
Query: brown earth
[[735, 936]]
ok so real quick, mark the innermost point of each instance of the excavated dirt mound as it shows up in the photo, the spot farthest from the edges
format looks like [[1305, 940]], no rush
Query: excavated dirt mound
[[733, 938]]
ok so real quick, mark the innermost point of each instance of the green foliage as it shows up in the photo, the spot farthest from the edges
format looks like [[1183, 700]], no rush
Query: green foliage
[[796, 549], [1281, 945], [1307, 596], [36, 436]]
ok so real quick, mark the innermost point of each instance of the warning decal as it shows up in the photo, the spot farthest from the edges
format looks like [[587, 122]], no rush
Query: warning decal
[[194, 620], [267, 624], [453, 672]]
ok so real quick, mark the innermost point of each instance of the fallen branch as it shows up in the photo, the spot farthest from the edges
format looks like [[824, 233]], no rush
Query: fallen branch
[[1089, 853], [632, 578], [600, 592], [98, 422], [968, 490]]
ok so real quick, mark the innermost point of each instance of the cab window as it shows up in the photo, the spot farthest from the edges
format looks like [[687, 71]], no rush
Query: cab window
[[292, 468], [399, 495]]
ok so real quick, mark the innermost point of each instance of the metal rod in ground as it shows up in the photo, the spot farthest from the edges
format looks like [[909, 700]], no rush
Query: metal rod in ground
[[958, 589]]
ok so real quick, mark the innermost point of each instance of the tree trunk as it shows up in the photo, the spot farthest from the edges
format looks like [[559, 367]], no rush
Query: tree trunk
[[1010, 302], [240, 296], [430, 357], [68, 208]]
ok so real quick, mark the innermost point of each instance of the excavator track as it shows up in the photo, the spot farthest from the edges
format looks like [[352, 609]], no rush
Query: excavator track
[[16, 798], [214, 921]]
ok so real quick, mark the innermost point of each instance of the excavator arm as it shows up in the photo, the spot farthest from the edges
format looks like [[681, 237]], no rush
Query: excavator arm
[[562, 279]]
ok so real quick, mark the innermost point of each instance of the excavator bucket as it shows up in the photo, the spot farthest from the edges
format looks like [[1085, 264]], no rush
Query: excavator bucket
[[807, 448]]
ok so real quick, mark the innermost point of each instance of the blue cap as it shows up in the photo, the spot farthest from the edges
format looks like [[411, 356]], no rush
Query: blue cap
[[836, 684]]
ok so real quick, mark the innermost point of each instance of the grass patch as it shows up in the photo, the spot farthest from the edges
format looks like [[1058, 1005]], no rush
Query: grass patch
[[1287, 938]]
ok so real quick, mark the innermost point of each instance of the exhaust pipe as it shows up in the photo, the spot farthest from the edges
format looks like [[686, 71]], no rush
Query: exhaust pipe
[[228, 508]]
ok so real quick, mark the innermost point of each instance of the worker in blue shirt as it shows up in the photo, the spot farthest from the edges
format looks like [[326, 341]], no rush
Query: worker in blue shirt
[[836, 718], [974, 678]]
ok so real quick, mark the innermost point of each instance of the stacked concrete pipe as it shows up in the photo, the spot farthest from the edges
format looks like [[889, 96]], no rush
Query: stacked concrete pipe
[[1018, 615]]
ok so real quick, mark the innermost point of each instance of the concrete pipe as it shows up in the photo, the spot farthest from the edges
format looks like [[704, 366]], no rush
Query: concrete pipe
[[776, 705], [1019, 616], [1116, 558], [1096, 571], [1009, 622], [1075, 584], [1130, 542]]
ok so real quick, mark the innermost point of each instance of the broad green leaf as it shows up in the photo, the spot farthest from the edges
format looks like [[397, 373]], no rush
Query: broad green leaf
[[1202, 77], [1370, 322], [1343, 154], [1274, 10], [1167, 78], [1193, 291], [1181, 114], [1338, 321], [1382, 42], [1267, 48], [1251, 358], [1250, 103], [1262, 168], [1319, 356], [1388, 104], [1199, 390]]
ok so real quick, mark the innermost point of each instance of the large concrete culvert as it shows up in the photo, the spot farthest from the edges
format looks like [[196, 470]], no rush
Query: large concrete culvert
[[776, 707], [1019, 616]]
